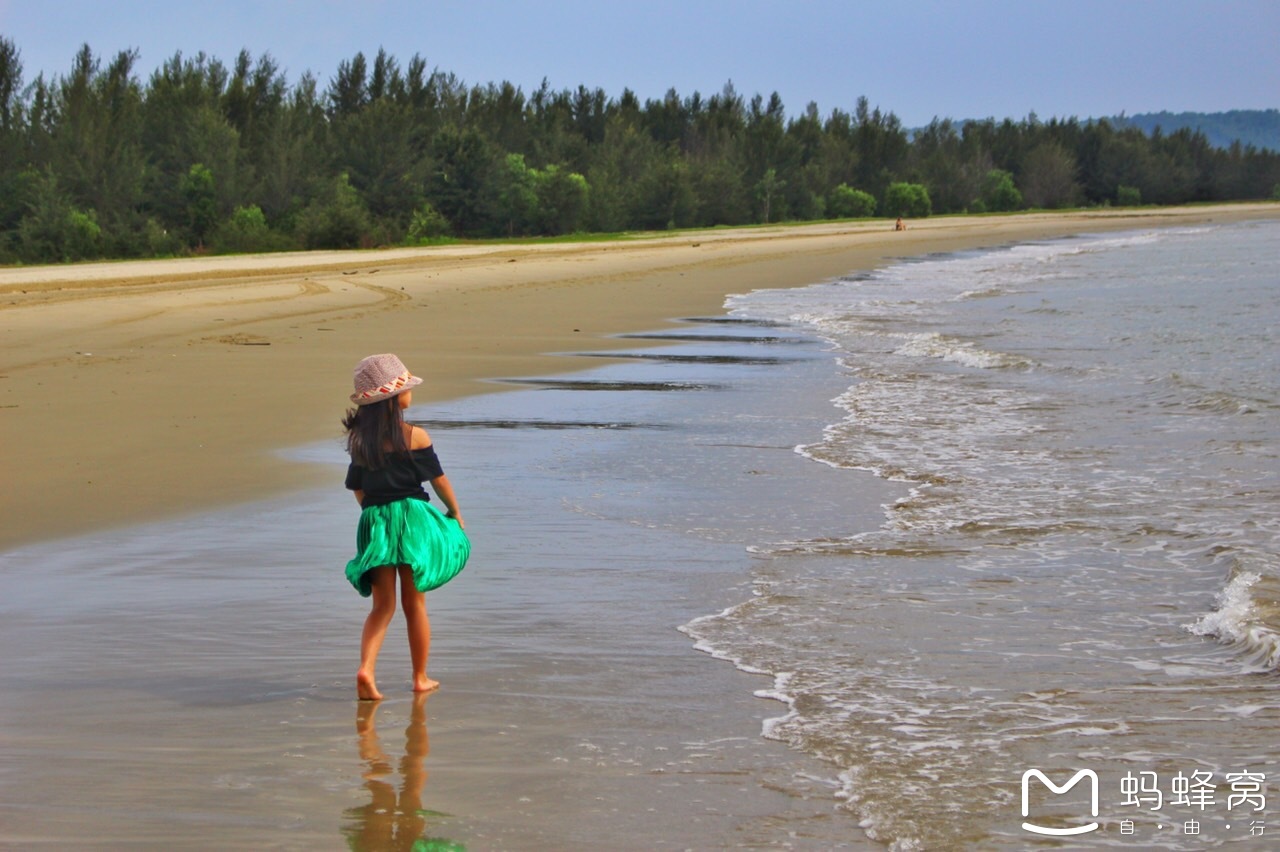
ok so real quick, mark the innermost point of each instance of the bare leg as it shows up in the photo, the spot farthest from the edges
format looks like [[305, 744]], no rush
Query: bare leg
[[414, 604], [375, 630]]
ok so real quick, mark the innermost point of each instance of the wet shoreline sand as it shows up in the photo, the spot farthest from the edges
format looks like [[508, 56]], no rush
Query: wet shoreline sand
[[188, 682], [184, 680], [160, 388]]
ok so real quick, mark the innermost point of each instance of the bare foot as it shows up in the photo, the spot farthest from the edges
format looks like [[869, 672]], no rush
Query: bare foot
[[422, 683], [366, 689]]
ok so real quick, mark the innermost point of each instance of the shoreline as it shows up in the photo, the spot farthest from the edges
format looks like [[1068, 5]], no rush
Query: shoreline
[[572, 707], [160, 388]]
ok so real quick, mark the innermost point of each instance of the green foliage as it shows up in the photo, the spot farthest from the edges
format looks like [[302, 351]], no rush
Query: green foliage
[[718, 192], [249, 220], [1128, 196], [10, 86], [337, 219], [517, 195], [12, 180], [561, 200], [548, 201], [907, 199], [59, 234], [83, 237], [246, 230], [844, 202], [158, 241], [97, 150], [381, 148], [53, 230], [427, 224], [202, 205], [96, 162], [1049, 176], [1275, 192], [462, 185], [999, 195], [767, 189], [664, 198]]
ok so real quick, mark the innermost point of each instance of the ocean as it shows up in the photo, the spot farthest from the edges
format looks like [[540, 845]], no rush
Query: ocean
[[885, 561], [1082, 568], [1004, 511]]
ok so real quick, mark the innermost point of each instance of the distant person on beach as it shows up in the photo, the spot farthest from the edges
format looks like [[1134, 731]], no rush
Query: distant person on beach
[[400, 535], [900, 225]]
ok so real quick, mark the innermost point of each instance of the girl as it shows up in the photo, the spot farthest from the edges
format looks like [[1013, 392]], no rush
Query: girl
[[400, 534]]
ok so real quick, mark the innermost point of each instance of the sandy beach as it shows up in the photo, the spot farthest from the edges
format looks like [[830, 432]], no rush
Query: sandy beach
[[180, 643], [162, 387]]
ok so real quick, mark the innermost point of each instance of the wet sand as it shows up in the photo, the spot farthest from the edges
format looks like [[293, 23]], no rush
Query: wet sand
[[159, 388], [187, 683], [180, 650]]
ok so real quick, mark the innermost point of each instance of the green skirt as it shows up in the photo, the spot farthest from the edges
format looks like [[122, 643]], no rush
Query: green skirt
[[408, 532]]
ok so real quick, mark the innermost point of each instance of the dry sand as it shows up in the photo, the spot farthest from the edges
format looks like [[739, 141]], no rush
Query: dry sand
[[141, 389]]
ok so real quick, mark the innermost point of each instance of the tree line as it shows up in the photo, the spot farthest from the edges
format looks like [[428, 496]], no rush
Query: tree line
[[204, 157]]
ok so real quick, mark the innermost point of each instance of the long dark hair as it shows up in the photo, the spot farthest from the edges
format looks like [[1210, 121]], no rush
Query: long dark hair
[[374, 431]]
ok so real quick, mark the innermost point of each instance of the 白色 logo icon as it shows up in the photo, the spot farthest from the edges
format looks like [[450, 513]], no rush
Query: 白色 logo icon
[[1040, 829]]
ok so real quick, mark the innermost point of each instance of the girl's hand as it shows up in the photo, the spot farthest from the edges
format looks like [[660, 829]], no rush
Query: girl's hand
[[457, 517]]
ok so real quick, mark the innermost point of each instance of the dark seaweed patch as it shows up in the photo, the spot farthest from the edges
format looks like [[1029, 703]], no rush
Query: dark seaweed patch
[[594, 385], [683, 359], [759, 323], [712, 338], [555, 425]]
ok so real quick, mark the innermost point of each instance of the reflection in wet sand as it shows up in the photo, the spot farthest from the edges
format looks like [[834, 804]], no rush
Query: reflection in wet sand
[[393, 820]]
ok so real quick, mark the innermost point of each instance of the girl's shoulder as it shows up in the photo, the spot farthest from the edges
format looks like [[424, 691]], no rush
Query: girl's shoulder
[[418, 438]]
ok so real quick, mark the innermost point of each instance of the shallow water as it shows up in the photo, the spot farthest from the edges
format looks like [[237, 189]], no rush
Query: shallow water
[[189, 682], [1084, 572], [959, 519]]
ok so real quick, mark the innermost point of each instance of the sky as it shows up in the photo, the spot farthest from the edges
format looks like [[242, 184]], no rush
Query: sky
[[920, 60]]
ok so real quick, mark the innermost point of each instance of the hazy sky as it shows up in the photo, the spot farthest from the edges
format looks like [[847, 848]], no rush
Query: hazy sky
[[918, 59]]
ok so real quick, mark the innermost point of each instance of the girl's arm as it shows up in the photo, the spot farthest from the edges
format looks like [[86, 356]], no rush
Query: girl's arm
[[444, 491], [419, 440], [359, 496]]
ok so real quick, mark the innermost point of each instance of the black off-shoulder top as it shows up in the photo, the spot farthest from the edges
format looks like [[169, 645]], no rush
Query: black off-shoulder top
[[401, 477]]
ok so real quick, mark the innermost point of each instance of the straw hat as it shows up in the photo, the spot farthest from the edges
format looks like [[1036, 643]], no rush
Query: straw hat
[[380, 377]]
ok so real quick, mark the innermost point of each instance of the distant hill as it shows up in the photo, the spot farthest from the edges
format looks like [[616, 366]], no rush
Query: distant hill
[[1257, 127]]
